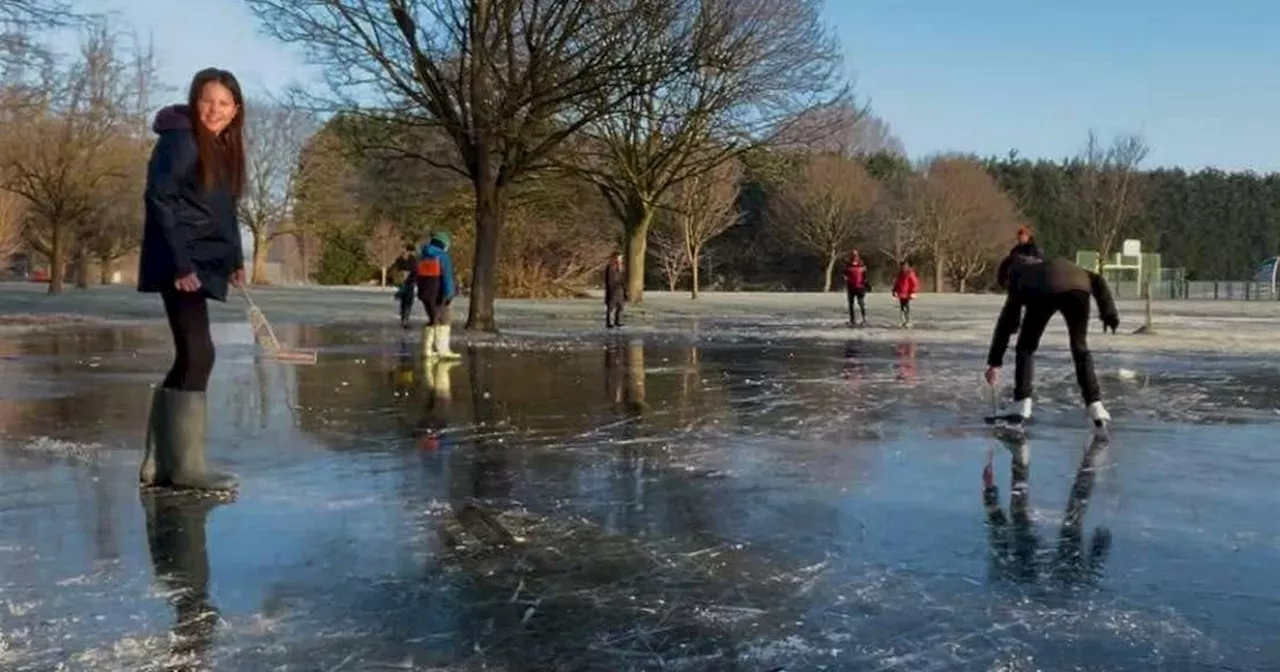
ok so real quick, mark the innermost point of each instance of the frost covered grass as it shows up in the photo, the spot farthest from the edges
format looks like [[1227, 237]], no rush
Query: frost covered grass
[[1226, 327]]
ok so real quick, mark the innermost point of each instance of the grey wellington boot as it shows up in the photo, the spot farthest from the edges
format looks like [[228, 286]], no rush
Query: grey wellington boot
[[180, 445], [147, 470]]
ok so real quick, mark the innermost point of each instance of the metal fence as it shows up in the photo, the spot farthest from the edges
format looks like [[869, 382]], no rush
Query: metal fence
[[1217, 290]]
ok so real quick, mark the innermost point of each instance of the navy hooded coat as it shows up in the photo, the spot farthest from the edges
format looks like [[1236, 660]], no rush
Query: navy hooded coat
[[188, 229]]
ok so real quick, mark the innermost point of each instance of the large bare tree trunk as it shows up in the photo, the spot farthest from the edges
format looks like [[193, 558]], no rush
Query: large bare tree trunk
[[384, 276], [939, 270], [104, 270], [490, 199], [826, 275], [57, 264], [259, 275], [639, 218], [693, 272], [82, 270]]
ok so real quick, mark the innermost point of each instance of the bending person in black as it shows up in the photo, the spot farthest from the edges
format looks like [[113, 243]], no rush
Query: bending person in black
[[1045, 288]]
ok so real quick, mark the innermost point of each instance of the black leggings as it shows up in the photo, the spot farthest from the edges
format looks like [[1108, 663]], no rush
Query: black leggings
[[1074, 307], [904, 307], [188, 314], [860, 297]]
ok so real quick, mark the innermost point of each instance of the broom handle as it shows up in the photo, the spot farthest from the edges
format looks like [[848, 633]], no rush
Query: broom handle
[[244, 290]]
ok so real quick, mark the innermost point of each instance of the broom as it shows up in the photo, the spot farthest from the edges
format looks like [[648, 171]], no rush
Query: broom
[[266, 336]]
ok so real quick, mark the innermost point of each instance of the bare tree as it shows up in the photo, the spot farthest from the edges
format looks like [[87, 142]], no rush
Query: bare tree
[[383, 246], [966, 219], [827, 207], [275, 135], [746, 71], [670, 251], [112, 226], [13, 219], [1109, 189], [897, 234], [506, 81], [706, 205], [59, 155], [843, 129], [21, 23]]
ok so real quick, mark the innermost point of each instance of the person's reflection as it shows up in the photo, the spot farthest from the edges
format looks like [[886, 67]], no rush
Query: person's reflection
[[402, 373], [180, 560], [905, 366], [853, 367], [1074, 564], [614, 374], [1014, 542], [437, 398], [1013, 546]]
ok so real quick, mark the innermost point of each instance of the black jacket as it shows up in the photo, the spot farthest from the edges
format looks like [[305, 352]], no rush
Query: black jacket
[[1032, 281], [1027, 249], [187, 228]]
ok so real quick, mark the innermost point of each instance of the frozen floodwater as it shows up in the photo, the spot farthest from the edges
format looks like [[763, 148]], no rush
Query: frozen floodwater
[[799, 496]]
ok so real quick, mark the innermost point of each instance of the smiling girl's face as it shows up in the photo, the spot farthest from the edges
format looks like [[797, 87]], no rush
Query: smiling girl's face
[[216, 107]]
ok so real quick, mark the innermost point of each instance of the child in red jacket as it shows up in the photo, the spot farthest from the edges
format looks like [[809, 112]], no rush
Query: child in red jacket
[[905, 289], [855, 282]]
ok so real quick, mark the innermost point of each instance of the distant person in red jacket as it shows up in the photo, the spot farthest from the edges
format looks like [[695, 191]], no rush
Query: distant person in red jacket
[[855, 282], [905, 289]]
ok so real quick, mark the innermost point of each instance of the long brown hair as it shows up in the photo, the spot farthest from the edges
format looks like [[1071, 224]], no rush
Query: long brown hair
[[222, 158]]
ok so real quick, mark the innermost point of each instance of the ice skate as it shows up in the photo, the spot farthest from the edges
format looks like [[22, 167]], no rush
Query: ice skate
[[1016, 414], [1101, 419]]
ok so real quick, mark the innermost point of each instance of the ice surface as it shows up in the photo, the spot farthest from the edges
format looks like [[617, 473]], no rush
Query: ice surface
[[763, 489]]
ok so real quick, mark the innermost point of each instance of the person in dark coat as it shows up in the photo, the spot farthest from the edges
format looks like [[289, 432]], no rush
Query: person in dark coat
[[615, 291], [855, 283], [1025, 247], [191, 253], [406, 267], [1044, 288]]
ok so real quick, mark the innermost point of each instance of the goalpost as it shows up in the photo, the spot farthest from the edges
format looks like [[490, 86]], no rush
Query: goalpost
[[1129, 272], [1265, 275]]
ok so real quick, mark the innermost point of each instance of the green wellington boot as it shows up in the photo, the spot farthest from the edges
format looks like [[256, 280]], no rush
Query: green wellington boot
[[147, 470], [428, 342], [180, 442]]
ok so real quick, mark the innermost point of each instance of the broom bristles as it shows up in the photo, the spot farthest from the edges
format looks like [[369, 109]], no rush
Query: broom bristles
[[265, 336]]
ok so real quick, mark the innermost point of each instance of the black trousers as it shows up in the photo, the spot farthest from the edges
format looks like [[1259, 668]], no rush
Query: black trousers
[[188, 314], [1074, 307], [438, 314], [406, 301], [430, 293], [858, 296], [904, 307]]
